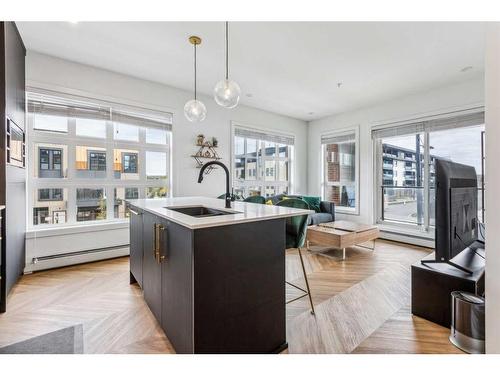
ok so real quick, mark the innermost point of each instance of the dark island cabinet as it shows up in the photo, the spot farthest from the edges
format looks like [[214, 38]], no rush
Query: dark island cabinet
[[213, 290]]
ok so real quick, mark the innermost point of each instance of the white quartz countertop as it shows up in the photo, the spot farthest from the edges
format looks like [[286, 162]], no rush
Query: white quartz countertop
[[245, 212]]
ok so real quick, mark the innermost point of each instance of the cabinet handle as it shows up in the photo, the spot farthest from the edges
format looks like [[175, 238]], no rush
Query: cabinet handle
[[161, 230], [134, 212], [157, 228]]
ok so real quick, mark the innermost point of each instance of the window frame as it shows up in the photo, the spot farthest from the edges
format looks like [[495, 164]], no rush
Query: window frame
[[339, 133], [260, 181], [426, 230], [69, 141]]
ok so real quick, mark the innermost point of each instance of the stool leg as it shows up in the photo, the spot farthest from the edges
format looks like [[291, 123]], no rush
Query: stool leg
[[307, 281]]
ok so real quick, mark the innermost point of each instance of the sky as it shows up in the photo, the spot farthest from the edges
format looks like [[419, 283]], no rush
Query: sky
[[460, 145]]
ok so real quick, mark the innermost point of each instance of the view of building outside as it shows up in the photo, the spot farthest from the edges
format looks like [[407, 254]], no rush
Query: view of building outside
[[261, 167], [50, 206], [83, 169], [340, 173], [403, 170]]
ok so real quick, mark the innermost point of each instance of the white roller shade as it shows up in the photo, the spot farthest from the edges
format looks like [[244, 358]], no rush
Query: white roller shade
[[53, 106], [269, 137], [340, 138], [149, 119], [437, 124]]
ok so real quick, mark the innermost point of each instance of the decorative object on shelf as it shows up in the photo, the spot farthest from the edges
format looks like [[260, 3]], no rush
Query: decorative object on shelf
[[206, 152], [200, 139], [195, 110], [227, 92]]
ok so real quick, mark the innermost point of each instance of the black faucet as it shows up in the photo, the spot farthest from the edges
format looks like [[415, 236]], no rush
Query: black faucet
[[200, 178]]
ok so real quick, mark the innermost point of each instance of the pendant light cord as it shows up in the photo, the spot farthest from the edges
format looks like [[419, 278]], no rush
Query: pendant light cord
[[195, 71], [227, 50]]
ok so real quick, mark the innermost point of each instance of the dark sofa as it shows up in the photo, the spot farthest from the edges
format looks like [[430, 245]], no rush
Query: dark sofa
[[326, 214]]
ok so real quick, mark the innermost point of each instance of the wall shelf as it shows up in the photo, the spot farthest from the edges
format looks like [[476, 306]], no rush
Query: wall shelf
[[205, 153]]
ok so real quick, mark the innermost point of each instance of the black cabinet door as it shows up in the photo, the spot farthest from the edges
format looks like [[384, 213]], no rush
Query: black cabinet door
[[177, 285], [136, 250], [151, 270]]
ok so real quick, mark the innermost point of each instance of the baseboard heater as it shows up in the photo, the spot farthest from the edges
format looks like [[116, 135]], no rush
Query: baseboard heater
[[406, 238], [35, 260]]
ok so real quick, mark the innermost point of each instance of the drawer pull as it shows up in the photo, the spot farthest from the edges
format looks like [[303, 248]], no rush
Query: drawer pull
[[158, 229]]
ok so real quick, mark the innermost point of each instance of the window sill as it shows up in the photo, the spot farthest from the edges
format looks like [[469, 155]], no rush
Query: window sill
[[341, 211], [76, 228]]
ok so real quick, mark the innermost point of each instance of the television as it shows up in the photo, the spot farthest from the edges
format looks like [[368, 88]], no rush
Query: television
[[456, 210]]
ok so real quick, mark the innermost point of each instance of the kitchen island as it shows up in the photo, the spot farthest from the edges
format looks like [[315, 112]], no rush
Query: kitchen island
[[213, 277]]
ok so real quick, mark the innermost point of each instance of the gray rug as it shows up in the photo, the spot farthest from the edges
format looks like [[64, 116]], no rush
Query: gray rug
[[64, 341]]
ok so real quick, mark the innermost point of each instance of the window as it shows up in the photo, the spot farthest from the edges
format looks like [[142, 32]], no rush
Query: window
[[261, 163], [49, 206], [50, 194], [50, 123], [126, 165], [91, 204], [50, 162], [107, 145], [156, 136], [90, 128], [156, 165], [97, 161], [405, 164], [340, 170], [90, 162], [126, 132], [129, 163]]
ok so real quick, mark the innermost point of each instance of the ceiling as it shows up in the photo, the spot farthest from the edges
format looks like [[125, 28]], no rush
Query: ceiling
[[291, 68]]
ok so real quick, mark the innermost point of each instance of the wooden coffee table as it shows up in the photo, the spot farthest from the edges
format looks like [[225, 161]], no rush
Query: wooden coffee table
[[341, 234]]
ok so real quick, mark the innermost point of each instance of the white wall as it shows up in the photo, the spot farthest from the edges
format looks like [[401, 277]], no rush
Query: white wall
[[446, 99], [61, 75], [492, 176]]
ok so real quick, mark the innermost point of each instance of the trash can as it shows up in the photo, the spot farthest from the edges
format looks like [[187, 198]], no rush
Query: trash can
[[467, 322]]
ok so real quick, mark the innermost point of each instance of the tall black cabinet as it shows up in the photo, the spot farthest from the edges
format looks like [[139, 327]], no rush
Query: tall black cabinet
[[12, 158]]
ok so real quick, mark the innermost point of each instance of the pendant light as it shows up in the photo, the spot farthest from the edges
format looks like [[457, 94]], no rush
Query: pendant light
[[227, 92], [195, 110]]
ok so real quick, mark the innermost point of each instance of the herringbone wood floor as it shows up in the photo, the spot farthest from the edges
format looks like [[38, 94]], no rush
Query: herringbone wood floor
[[361, 303]]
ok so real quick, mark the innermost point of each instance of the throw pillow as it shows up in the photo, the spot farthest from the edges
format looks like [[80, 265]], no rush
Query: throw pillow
[[313, 202]]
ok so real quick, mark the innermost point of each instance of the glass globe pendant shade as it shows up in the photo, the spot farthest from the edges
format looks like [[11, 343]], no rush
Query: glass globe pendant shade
[[195, 111], [227, 93]]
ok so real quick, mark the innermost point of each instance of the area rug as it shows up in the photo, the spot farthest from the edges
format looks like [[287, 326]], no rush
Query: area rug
[[64, 341]]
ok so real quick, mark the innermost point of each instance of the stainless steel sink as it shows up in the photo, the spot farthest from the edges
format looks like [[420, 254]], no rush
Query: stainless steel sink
[[201, 211]]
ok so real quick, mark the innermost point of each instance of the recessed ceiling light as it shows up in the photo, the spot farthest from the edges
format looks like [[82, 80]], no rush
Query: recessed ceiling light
[[465, 69]]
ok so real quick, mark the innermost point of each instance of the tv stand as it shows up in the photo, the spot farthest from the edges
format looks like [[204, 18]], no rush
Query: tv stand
[[432, 283], [461, 268]]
